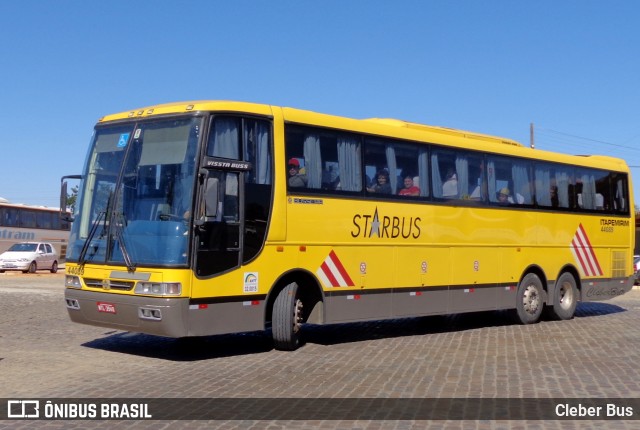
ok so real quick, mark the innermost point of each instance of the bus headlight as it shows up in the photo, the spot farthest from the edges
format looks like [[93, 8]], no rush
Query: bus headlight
[[159, 288], [72, 281]]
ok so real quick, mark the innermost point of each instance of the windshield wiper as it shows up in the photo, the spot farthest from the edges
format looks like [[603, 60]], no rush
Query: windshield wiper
[[120, 221], [81, 258], [94, 228]]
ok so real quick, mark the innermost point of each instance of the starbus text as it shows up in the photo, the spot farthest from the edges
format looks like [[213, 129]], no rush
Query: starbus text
[[390, 227]]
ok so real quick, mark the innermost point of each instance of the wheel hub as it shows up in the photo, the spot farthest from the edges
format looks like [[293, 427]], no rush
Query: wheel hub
[[566, 296], [531, 300], [297, 316]]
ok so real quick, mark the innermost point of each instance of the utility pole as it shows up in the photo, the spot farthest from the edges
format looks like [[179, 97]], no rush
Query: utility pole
[[532, 143]]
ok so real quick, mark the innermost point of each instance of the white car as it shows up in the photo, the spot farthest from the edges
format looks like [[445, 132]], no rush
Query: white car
[[29, 257]]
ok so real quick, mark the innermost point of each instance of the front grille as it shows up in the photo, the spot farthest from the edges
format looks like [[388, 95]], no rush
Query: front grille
[[109, 284]]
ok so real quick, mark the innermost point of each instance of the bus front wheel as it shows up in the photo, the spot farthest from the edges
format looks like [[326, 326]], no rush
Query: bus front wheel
[[529, 299], [287, 319], [565, 297]]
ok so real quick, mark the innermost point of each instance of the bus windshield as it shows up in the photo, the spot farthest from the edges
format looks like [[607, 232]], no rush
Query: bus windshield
[[134, 205]]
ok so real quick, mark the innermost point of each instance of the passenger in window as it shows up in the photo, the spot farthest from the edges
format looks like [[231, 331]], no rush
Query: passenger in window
[[450, 186], [330, 178], [296, 179], [553, 191], [479, 192], [504, 197], [409, 188], [381, 183], [518, 197], [599, 202]]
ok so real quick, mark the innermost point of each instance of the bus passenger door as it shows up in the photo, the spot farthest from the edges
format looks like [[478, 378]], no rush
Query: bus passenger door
[[218, 234]]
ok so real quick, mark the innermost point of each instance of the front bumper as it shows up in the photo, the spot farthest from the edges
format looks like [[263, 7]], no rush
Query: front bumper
[[14, 265], [170, 317], [152, 315]]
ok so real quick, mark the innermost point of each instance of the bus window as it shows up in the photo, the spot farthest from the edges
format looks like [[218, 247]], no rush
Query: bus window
[[323, 160], [224, 140], [257, 151], [555, 186], [621, 193], [380, 161], [413, 169], [9, 217], [470, 172], [603, 191], [43, 219], [28, 219], [348, 166], [400, 161], [546, 191], [458, 175], [586, 195], [300, 146], [565, 187], [509, 181]]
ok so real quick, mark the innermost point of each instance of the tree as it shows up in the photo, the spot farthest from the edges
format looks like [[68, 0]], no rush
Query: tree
[[72, 199]]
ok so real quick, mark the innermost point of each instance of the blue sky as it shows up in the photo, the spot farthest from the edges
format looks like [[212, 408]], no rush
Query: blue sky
[[494, 66]]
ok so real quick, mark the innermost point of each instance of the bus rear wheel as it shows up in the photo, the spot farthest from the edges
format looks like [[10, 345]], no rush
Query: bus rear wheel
[[529, 299], [565, 297], [287, 319]]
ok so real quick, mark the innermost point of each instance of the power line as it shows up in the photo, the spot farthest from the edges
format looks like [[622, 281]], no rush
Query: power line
[[589, 139]]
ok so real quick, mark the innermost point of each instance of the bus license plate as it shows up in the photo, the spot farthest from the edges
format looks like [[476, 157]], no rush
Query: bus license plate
[[109, 308]]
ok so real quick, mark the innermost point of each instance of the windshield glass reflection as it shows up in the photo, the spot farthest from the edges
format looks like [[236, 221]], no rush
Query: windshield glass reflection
[[136, 194]]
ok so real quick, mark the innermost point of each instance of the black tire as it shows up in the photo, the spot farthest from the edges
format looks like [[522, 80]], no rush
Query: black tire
[[565, 297], [32, 268], [287, 319], [529, 299], [54, 267]]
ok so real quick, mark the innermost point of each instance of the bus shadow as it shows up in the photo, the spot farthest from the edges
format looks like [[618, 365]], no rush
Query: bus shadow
[[185, 349], [212, 347], [593, 309], [419, 326]]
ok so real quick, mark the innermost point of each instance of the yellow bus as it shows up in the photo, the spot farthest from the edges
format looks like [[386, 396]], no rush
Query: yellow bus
[[213, 217]]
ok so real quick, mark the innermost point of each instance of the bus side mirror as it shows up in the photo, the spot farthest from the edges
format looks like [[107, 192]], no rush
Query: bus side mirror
[[64, 199]]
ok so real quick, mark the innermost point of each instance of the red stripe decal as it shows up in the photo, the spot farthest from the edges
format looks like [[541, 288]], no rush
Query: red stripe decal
[[341, 268]]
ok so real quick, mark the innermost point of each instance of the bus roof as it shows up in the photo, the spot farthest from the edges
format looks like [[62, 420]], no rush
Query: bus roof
[[378, 126], [7, 204], [443, 130], [190, 106]]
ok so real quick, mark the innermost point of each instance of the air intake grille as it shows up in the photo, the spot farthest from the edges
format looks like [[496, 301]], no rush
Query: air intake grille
[[109, 284], [619, 264]]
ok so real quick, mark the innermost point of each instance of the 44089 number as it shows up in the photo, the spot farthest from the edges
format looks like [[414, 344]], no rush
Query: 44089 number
[[75, 270]]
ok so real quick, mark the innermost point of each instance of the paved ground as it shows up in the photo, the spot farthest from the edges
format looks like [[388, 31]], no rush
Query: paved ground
[[44, 355]]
